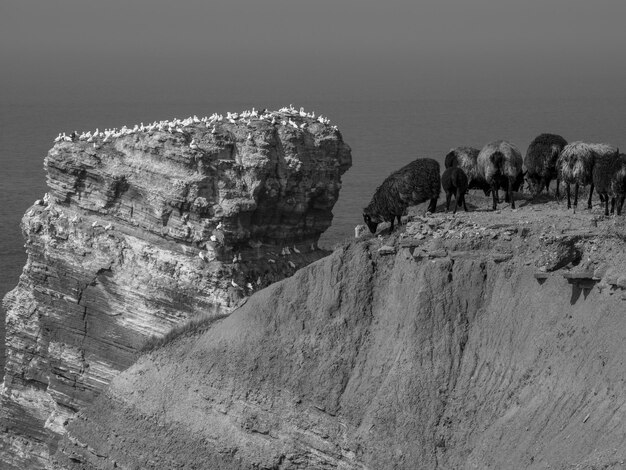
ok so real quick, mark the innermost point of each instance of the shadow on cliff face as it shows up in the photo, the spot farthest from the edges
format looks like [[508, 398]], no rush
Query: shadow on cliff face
[[449, 358]]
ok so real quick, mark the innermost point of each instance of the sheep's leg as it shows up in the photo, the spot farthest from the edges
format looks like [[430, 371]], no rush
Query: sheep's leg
[[558, 196], [509, 191], [393, 219], [590, 194], [456, 200], [432, 207], [448, 199], [567, 189], [606, 204], [575, 196], [620, 204], [613, 201], [399, 220], [464, 203], [494, 193]]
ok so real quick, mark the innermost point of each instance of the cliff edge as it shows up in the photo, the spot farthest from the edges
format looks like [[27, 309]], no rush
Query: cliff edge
[[145, 228], [483, 340]]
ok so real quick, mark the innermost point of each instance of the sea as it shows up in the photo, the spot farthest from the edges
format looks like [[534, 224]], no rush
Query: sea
[[384, 135]]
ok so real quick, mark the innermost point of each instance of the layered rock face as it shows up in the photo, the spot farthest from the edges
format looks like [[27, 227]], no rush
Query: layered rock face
[[146, 228], [475, 341]]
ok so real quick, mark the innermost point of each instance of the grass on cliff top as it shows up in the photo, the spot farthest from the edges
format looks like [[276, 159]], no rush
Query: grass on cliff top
[[194, 325]]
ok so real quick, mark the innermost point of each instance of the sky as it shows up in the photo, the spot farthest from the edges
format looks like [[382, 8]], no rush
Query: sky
[[114, 50]]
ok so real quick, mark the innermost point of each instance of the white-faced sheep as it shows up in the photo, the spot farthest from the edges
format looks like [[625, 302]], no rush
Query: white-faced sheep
[[606, 164], [417, 182], [465, 159], [454, 181], [500, 163], [540, 162]]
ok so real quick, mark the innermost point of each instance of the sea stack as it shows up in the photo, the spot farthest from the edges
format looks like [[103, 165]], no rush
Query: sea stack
[[139, 235]]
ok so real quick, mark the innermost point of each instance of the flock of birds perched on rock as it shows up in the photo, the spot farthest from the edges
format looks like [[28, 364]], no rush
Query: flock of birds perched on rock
[[499, 165], [286, 116]]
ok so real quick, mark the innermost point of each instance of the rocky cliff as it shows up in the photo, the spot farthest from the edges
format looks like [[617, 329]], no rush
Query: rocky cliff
[[478, 341], [145, 228]]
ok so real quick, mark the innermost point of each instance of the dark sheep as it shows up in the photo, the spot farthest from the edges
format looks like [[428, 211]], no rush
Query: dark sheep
[[465, 158], [540, 162], [417, 182], [454, 181], [500, 163], [606, 165], [618, 186]]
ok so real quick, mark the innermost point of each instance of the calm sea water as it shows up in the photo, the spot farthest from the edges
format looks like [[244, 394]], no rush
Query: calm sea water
[[383, 135]]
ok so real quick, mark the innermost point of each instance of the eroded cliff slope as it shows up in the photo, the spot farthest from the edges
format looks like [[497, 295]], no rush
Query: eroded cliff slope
[[145, 228], [478, 341]]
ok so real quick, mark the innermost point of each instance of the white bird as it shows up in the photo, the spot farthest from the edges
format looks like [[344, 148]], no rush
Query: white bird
[[287, 251], [295, 250], [219, 226], [193, 145], [108, 227], [95, 223], [213, 131], [292, 265], [258, 281], [313, 248], [271, 260], [234, 284], [235, 259], [46, 198], [59, 138], [249, 286], [249, 136], [213, 238], [202, 256]]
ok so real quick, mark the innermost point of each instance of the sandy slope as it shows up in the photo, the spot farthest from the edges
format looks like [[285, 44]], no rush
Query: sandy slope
[[464, 347]]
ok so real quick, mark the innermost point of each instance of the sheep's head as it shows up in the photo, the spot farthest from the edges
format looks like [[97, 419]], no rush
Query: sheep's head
[[369, 221], [533, 186], [518, 184]]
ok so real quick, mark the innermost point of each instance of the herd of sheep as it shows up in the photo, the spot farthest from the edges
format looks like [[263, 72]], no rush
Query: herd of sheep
[[499, 165]]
